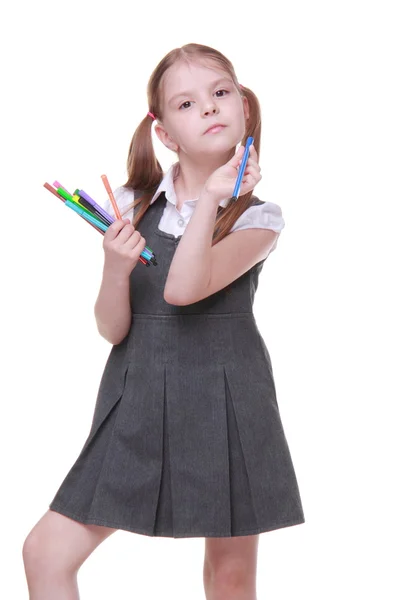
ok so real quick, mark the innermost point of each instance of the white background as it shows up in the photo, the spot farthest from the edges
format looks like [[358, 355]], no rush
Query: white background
[[327, 77]]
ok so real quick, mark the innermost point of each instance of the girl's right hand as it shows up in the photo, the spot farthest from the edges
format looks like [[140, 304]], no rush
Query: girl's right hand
[[122, 245]]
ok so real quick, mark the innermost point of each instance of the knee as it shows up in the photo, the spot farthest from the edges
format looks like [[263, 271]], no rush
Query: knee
[[229, 580], [34, 553], [40, 555]]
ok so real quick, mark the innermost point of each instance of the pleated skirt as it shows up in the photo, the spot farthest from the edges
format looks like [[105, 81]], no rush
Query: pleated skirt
[[187, 438]]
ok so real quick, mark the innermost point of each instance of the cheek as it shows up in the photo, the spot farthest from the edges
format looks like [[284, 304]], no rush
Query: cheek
[[239, 114], [173, 130], [240, 122], [188, 129]]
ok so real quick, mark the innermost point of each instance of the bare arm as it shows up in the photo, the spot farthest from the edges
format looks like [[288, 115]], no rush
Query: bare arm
[[122, 245], [113, 308]]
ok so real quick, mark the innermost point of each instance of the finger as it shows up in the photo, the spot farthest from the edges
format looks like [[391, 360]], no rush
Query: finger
[[126, 233], [236, 159], [251, 159], [114, 229], [253, 171], [252, 163], [252, 178], [248, 185], [253, 153], [133, 241]]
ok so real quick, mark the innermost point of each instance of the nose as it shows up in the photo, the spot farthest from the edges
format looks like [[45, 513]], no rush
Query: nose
[[210, 108]]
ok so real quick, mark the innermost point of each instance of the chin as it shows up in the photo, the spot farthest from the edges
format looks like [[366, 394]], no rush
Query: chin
[[220, 140]]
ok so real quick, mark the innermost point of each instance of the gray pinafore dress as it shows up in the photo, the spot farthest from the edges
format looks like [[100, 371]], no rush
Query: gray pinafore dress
[[186, 438]]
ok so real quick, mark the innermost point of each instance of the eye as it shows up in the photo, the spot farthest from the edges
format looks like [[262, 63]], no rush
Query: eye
[[187, 102], [222, 91]]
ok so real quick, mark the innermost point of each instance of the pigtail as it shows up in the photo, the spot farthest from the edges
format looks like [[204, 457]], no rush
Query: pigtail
[[144, 170], [253, 127]]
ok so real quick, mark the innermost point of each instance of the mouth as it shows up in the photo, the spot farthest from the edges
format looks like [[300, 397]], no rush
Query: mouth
[[215, 128]]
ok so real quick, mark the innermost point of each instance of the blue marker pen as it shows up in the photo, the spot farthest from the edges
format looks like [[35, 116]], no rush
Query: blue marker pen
[[85, 215], [242, 167]]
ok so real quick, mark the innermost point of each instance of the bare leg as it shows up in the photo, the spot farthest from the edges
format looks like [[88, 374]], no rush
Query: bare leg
[[230, 567], [53, 552]]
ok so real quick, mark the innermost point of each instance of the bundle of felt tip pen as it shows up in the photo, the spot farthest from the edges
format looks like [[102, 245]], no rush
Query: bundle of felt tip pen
[[94, 214]]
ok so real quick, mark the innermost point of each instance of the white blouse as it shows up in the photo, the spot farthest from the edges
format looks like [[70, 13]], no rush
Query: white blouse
[[267, 215]]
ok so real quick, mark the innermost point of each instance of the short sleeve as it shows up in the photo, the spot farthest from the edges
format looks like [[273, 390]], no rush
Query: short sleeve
[[266, 215], [124, 198]]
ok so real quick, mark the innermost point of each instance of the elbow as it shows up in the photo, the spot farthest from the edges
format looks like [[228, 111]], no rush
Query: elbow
[[113, 340], [174, 299], [111, 337], [117, 340]]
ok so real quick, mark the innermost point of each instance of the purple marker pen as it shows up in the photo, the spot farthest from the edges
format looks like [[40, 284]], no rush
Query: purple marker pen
[[101, 210]]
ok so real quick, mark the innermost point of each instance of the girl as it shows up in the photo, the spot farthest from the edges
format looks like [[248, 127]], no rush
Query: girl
[[186, 438]]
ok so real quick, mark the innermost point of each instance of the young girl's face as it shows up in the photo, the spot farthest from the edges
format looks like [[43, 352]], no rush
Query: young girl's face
[[195, 96]]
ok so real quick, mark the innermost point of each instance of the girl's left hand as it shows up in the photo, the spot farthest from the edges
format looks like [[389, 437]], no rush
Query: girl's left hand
[[221, 183]]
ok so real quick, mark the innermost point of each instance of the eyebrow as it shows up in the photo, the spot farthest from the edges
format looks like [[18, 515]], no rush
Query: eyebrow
[[189, 93]]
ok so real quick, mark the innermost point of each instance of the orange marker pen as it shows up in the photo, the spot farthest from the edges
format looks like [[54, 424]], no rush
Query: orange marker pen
[[111, 196]]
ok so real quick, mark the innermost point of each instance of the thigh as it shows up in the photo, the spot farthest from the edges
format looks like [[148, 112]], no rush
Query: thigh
[[235, 554], [58, 542]]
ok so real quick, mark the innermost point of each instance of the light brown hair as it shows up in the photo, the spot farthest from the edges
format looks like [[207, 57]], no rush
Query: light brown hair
[[144, 171]]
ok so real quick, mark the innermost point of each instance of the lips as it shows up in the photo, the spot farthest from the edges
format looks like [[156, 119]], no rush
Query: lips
[[214, 125]]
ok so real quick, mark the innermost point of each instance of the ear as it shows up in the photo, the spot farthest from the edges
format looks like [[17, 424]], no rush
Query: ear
[[246, 107], [165, 138]]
